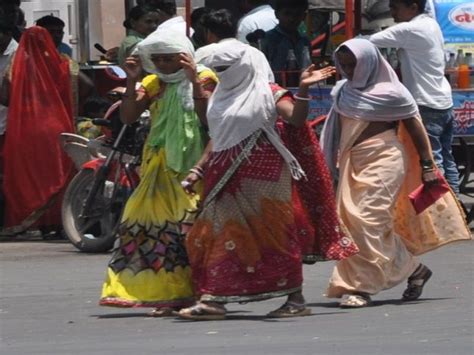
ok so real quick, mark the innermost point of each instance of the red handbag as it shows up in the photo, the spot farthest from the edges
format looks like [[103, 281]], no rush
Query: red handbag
[[425, 195]]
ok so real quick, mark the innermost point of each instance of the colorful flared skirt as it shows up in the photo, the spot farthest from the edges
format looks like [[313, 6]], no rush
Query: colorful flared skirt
[[244, 245], [150, 267]]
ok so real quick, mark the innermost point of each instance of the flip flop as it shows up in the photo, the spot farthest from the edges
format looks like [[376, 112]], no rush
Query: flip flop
[[202, 312], [290, 310], [162, 312], [355, 301]]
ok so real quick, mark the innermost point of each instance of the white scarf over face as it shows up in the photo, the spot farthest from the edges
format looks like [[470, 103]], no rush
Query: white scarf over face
[[243, 102], [168, 42]]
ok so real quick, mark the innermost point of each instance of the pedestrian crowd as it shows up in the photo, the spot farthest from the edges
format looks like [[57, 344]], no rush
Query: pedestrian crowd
[[236, 190]]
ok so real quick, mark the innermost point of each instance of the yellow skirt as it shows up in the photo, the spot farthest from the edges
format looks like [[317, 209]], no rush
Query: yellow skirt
[[150, 266]]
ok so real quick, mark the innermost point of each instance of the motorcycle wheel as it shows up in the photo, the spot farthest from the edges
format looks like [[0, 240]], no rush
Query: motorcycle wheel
[[94, 234]]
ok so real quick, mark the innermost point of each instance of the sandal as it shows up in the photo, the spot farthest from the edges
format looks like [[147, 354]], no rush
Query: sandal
[[416, 282], [162, 312], [359, 300], [202, 311], [290, 309]]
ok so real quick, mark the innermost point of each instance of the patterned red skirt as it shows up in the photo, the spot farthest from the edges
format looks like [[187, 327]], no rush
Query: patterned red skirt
[[244, 246]]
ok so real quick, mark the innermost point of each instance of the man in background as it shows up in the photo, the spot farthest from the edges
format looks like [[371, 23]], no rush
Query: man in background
[[168, 16], [420, 44], [10, 9], [259, 15], [55, 27], [8, 47], [287, 50]]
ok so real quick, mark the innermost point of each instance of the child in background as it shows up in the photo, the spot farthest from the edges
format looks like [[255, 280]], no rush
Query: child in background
[[286, 49], [94, 107]]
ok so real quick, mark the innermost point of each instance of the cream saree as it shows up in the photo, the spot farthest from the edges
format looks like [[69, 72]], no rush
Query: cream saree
[[376, 177]]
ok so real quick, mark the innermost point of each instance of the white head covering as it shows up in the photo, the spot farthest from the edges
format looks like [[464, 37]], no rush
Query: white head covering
[[168, 42], [243, 102], [204, 55], [374, 94]]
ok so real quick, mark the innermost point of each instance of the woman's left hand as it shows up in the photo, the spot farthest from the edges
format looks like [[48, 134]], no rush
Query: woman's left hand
[[189, 182], [429, 177], [311, 76], [189, 66]]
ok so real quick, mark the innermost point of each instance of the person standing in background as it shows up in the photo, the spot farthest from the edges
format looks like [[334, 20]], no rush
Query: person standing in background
[[8, 47], [287, 50], [259, 15], [168, 17], [420, 44], [199, 37], [140, 22], [40, 108], [219, 26], [11, 10], [55, 27]]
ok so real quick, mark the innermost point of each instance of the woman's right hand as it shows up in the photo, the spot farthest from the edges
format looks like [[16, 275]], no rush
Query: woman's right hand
[[429, 177], [311, 76], [133, 68]]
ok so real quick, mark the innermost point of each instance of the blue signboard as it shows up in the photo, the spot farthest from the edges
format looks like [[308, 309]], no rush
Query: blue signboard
[[321, 102], [456, 19], [463, 108], [463, 112]]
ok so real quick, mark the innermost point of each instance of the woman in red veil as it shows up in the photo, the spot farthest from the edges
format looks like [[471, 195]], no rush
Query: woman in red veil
[[40, 109]]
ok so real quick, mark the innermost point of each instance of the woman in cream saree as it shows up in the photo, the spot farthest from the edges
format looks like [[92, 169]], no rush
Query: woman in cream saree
[[374, 135]]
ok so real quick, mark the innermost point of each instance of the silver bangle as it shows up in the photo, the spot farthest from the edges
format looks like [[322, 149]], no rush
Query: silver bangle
[[299, 98]]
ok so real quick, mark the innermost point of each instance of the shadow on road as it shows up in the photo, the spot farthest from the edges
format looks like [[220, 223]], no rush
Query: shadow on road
[[395, 302], [231, 316]]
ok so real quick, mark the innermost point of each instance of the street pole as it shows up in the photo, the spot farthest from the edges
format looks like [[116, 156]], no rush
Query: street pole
[[83, 31]]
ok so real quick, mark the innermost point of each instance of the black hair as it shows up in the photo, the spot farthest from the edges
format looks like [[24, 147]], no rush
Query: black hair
[[7, 26], [197, 15], [221, 23], [50, 20], [21, 17], [136, 13], [259, 2], [95, 104], [420, 3], [167, 6], [12, 2], [344, 49], [290, 4]]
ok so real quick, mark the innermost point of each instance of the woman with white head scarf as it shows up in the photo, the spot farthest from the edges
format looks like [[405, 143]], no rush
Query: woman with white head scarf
[[244, 245], [149, 267], [374, 136]]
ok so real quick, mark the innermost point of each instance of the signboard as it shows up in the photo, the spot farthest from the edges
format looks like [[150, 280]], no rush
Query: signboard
[[456, 19], [463, 108], [463, 112], [321, 102]]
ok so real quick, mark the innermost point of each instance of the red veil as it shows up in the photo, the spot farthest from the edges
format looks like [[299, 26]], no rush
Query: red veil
[[36, 168], [322, 234]]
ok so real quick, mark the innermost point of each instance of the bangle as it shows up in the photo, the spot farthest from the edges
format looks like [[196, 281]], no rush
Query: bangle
[[299, 98], [198, 171], [426, 164]]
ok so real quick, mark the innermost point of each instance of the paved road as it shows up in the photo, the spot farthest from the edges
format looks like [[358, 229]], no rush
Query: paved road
[[49, 296]]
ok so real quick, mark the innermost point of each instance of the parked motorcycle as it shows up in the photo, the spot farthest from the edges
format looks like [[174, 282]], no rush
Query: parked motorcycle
[[95, 198]]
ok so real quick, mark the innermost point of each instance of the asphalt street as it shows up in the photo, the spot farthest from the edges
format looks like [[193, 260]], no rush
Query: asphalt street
[[49, 294]]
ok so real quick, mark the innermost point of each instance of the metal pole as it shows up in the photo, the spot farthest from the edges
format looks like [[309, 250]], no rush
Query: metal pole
[[357, 16], [83, 31], [349, 19], [188, 17]]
